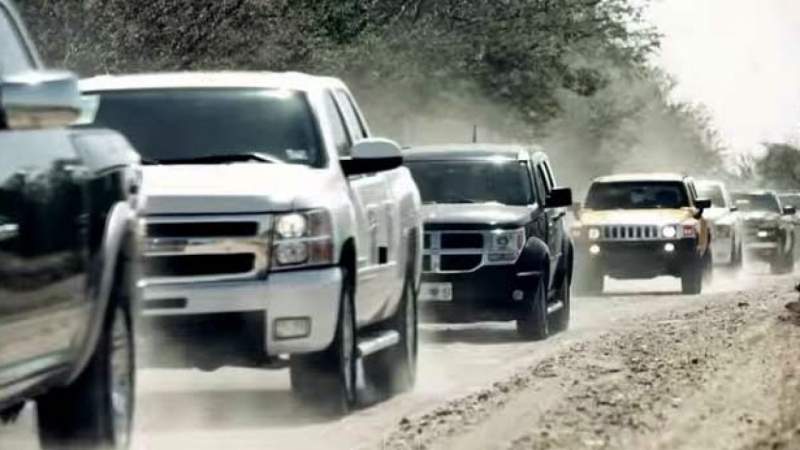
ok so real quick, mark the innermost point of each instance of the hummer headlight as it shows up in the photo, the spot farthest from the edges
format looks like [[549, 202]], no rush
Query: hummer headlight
[[593, 234], [669, 231], [302, 240]]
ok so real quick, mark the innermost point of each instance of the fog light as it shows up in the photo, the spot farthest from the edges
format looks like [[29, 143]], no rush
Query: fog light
[[763, 234], [518, 295], [292, 328], [289, 253], [669, 248], [595, 249]]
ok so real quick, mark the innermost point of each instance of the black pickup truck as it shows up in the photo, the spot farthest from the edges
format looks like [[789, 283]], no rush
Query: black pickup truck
[[67, 256], [495, 244]]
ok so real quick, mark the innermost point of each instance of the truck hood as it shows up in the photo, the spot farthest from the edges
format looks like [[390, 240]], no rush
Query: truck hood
[[231, 188], [635, 216], [760, 216], [476, 214], [716, 214]]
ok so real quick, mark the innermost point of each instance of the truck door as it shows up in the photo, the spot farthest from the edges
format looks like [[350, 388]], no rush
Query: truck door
[[367, 194], [554, 219], [42, 264], [42, 259]]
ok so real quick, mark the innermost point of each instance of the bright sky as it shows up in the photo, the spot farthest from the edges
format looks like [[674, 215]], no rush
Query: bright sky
[[741, 58]]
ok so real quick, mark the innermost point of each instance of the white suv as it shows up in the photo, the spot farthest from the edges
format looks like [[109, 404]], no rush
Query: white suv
[[269, 197]]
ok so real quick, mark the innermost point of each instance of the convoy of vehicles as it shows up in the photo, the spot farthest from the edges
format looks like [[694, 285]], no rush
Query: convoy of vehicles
[[642, 226], [770, 234], [68, 209], [726, 224], [495, 246], [309, 233], [262, 205]]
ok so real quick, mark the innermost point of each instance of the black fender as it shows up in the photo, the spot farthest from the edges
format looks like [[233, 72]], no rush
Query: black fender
[[118, 237], [534, 261]]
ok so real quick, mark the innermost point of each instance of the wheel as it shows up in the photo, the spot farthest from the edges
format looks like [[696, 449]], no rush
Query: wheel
[[395, 369], [326, 380], [782, 263], [532, 322], [738, 255], [96, 411], [560, 318], [692, 277]]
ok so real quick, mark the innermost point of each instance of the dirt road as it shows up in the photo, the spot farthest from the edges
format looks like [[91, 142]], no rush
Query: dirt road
[[636, 370]]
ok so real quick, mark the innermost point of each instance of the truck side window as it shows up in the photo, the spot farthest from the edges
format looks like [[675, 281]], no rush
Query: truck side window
[[548, 171], [541, 191], [340, 135], [14, 56], [351, 117], [542, 174]]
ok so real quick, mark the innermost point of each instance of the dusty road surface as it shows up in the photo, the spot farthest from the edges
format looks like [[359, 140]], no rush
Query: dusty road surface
[[640, 368]]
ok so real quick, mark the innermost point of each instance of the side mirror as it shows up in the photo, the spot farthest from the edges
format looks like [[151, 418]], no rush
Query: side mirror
[[701, 205], [41, 99], [372, 155], [559, 198], [789, 210], [734, 209]]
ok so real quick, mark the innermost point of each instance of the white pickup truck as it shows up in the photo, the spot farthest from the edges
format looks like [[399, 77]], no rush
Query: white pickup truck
[[269, 198]]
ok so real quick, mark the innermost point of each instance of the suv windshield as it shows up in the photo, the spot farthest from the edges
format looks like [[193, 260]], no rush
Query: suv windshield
[[504, 182], [175, 125], [637, 195], [757, 202], [712, 192]]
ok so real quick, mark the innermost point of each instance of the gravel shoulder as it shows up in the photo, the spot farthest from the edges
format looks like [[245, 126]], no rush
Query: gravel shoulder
[[719, 374]]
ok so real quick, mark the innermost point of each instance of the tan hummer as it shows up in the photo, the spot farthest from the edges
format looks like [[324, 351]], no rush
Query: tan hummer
[[642, 226]]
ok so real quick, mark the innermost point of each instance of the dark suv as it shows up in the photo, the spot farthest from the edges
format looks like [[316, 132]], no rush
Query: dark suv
[[67, 246], [495, 247], [769, 229]]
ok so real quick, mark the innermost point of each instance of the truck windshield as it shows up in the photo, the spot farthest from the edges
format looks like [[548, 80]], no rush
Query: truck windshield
[[757, 202], [712, 192], [504, 182], [174, 125], [637, 195]]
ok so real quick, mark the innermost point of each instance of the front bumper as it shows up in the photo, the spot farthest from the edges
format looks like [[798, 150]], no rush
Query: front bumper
[[637, 259], [311, 294], [485, 294]]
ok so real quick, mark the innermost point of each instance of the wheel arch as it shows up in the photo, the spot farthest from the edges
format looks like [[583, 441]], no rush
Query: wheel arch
[[118, 238]]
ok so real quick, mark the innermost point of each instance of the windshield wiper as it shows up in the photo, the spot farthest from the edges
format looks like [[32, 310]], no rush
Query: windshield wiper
[[222, 159]]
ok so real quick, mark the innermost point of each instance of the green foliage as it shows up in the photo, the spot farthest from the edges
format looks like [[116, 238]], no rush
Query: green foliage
[[780, 167], [570, 74]]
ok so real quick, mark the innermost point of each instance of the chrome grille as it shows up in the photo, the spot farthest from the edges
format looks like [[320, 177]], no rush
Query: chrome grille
[[206, 248], [454, 251], [629, 232]]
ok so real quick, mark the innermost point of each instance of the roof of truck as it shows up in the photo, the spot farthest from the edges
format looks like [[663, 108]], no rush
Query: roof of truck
[[470, 151], [635, 177], [196, 80]]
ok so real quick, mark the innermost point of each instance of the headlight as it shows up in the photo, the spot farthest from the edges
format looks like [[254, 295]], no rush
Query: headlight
[[764, 233], [302, 240], [506, 245], [593, 234], [669, 232]]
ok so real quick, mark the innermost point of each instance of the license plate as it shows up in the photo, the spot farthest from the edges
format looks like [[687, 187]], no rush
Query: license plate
[[436, 292]]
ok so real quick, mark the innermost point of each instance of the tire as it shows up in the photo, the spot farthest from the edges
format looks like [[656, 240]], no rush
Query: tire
[[560, 319], [326, 380], [532, 324], [96, 411], [782, 263], [738, 256], [692, 277], [395, 369]]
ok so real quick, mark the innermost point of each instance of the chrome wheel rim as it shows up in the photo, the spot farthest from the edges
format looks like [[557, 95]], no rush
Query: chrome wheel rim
[[121, 381]]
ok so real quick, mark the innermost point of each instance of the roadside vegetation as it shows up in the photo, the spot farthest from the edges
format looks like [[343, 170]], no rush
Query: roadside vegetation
[[570, 74]]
